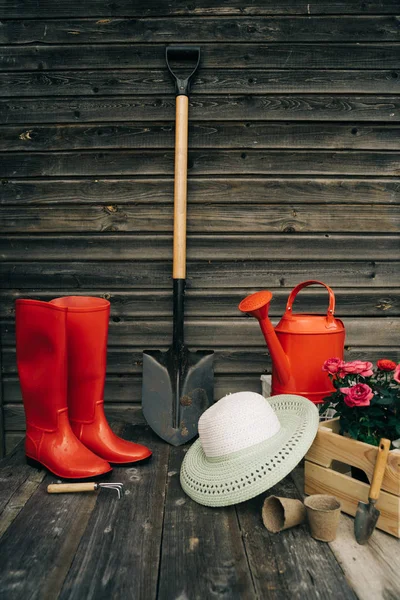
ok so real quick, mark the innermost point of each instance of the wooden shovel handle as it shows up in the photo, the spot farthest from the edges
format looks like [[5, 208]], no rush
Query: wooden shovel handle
[[66, 488], [180, 186], [379, 469]]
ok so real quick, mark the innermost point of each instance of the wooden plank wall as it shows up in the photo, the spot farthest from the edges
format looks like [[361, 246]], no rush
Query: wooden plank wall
[[294, 172]]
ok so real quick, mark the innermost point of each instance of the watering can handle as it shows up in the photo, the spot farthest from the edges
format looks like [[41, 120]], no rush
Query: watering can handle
[[296, 290]]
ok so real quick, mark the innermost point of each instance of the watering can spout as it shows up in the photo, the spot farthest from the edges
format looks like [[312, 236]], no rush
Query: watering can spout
[[257, 305]]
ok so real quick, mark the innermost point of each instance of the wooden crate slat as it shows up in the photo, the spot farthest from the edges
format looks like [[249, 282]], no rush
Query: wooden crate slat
[[320, 480], [328, 447]]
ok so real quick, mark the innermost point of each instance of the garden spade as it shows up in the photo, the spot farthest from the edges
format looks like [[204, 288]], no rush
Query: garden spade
[[367, 514], [178, 384]]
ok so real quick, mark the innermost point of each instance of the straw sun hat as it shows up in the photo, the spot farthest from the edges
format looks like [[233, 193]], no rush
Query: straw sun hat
[[246, 445]]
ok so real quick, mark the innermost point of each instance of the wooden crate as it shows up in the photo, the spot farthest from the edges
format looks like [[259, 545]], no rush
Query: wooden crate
[[327, 471]]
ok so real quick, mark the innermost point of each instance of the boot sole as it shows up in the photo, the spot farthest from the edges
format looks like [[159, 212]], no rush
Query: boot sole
[[32, 462]]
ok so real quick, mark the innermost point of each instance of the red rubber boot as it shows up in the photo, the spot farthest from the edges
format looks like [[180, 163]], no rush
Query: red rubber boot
[[42, 369], [87, 331]]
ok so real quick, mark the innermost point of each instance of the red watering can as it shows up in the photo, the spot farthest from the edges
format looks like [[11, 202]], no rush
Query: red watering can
[[299, 345]]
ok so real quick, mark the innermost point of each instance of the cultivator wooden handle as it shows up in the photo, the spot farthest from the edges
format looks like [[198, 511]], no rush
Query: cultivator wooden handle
[[71, 488]]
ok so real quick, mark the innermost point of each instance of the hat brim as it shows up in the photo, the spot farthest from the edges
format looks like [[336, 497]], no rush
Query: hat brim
[[244, 474]]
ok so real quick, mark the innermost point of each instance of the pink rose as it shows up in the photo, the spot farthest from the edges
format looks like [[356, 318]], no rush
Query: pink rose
[[358, 367], [396, 374], [357, 395], [332, 365]]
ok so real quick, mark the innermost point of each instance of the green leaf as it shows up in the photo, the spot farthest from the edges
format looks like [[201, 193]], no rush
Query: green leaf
[[384, 400], [375, 411]]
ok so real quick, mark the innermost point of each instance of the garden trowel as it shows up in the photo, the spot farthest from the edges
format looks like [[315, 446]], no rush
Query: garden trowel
[[367, 514]]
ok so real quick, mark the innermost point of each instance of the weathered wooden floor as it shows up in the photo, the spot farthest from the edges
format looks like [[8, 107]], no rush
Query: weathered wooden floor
[[157, 543]]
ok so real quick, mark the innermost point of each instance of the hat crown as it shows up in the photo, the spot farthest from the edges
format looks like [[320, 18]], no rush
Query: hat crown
[[236, 422]]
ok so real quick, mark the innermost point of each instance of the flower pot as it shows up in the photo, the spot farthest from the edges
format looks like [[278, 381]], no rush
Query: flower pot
[[325, 473]]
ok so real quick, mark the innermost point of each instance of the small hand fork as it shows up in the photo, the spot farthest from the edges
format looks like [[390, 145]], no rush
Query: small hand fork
[[91, 486]]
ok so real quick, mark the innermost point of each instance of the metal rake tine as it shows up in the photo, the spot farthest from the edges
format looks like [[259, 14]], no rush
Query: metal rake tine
[[118, 487]]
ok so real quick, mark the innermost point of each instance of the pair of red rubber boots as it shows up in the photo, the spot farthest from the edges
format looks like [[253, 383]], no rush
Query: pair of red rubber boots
[[61, 359]]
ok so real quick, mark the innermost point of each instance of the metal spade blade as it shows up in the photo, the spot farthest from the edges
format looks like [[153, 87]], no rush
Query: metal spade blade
[[177, 390]]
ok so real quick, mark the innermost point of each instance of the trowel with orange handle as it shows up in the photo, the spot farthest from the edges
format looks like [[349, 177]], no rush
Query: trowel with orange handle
[[367, 514]]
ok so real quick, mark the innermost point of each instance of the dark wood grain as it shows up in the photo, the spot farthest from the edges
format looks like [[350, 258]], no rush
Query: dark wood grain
[[250, 361], [154, 191], [227, 361], [368, 302], [123, 413], [218, 247], [125, 390], [217, 135], [2, 429], [45, 8], [12, 439], [210, 274], [206, 162], [35, 564], [148, 56], [18, 479], [242, 332], [19, 482], [129, 361], [121, 393], [294, 218], [245, 107], [293, 170], [207, 29], [290, 564], [201, 540], [118, 555], [152, 82]]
